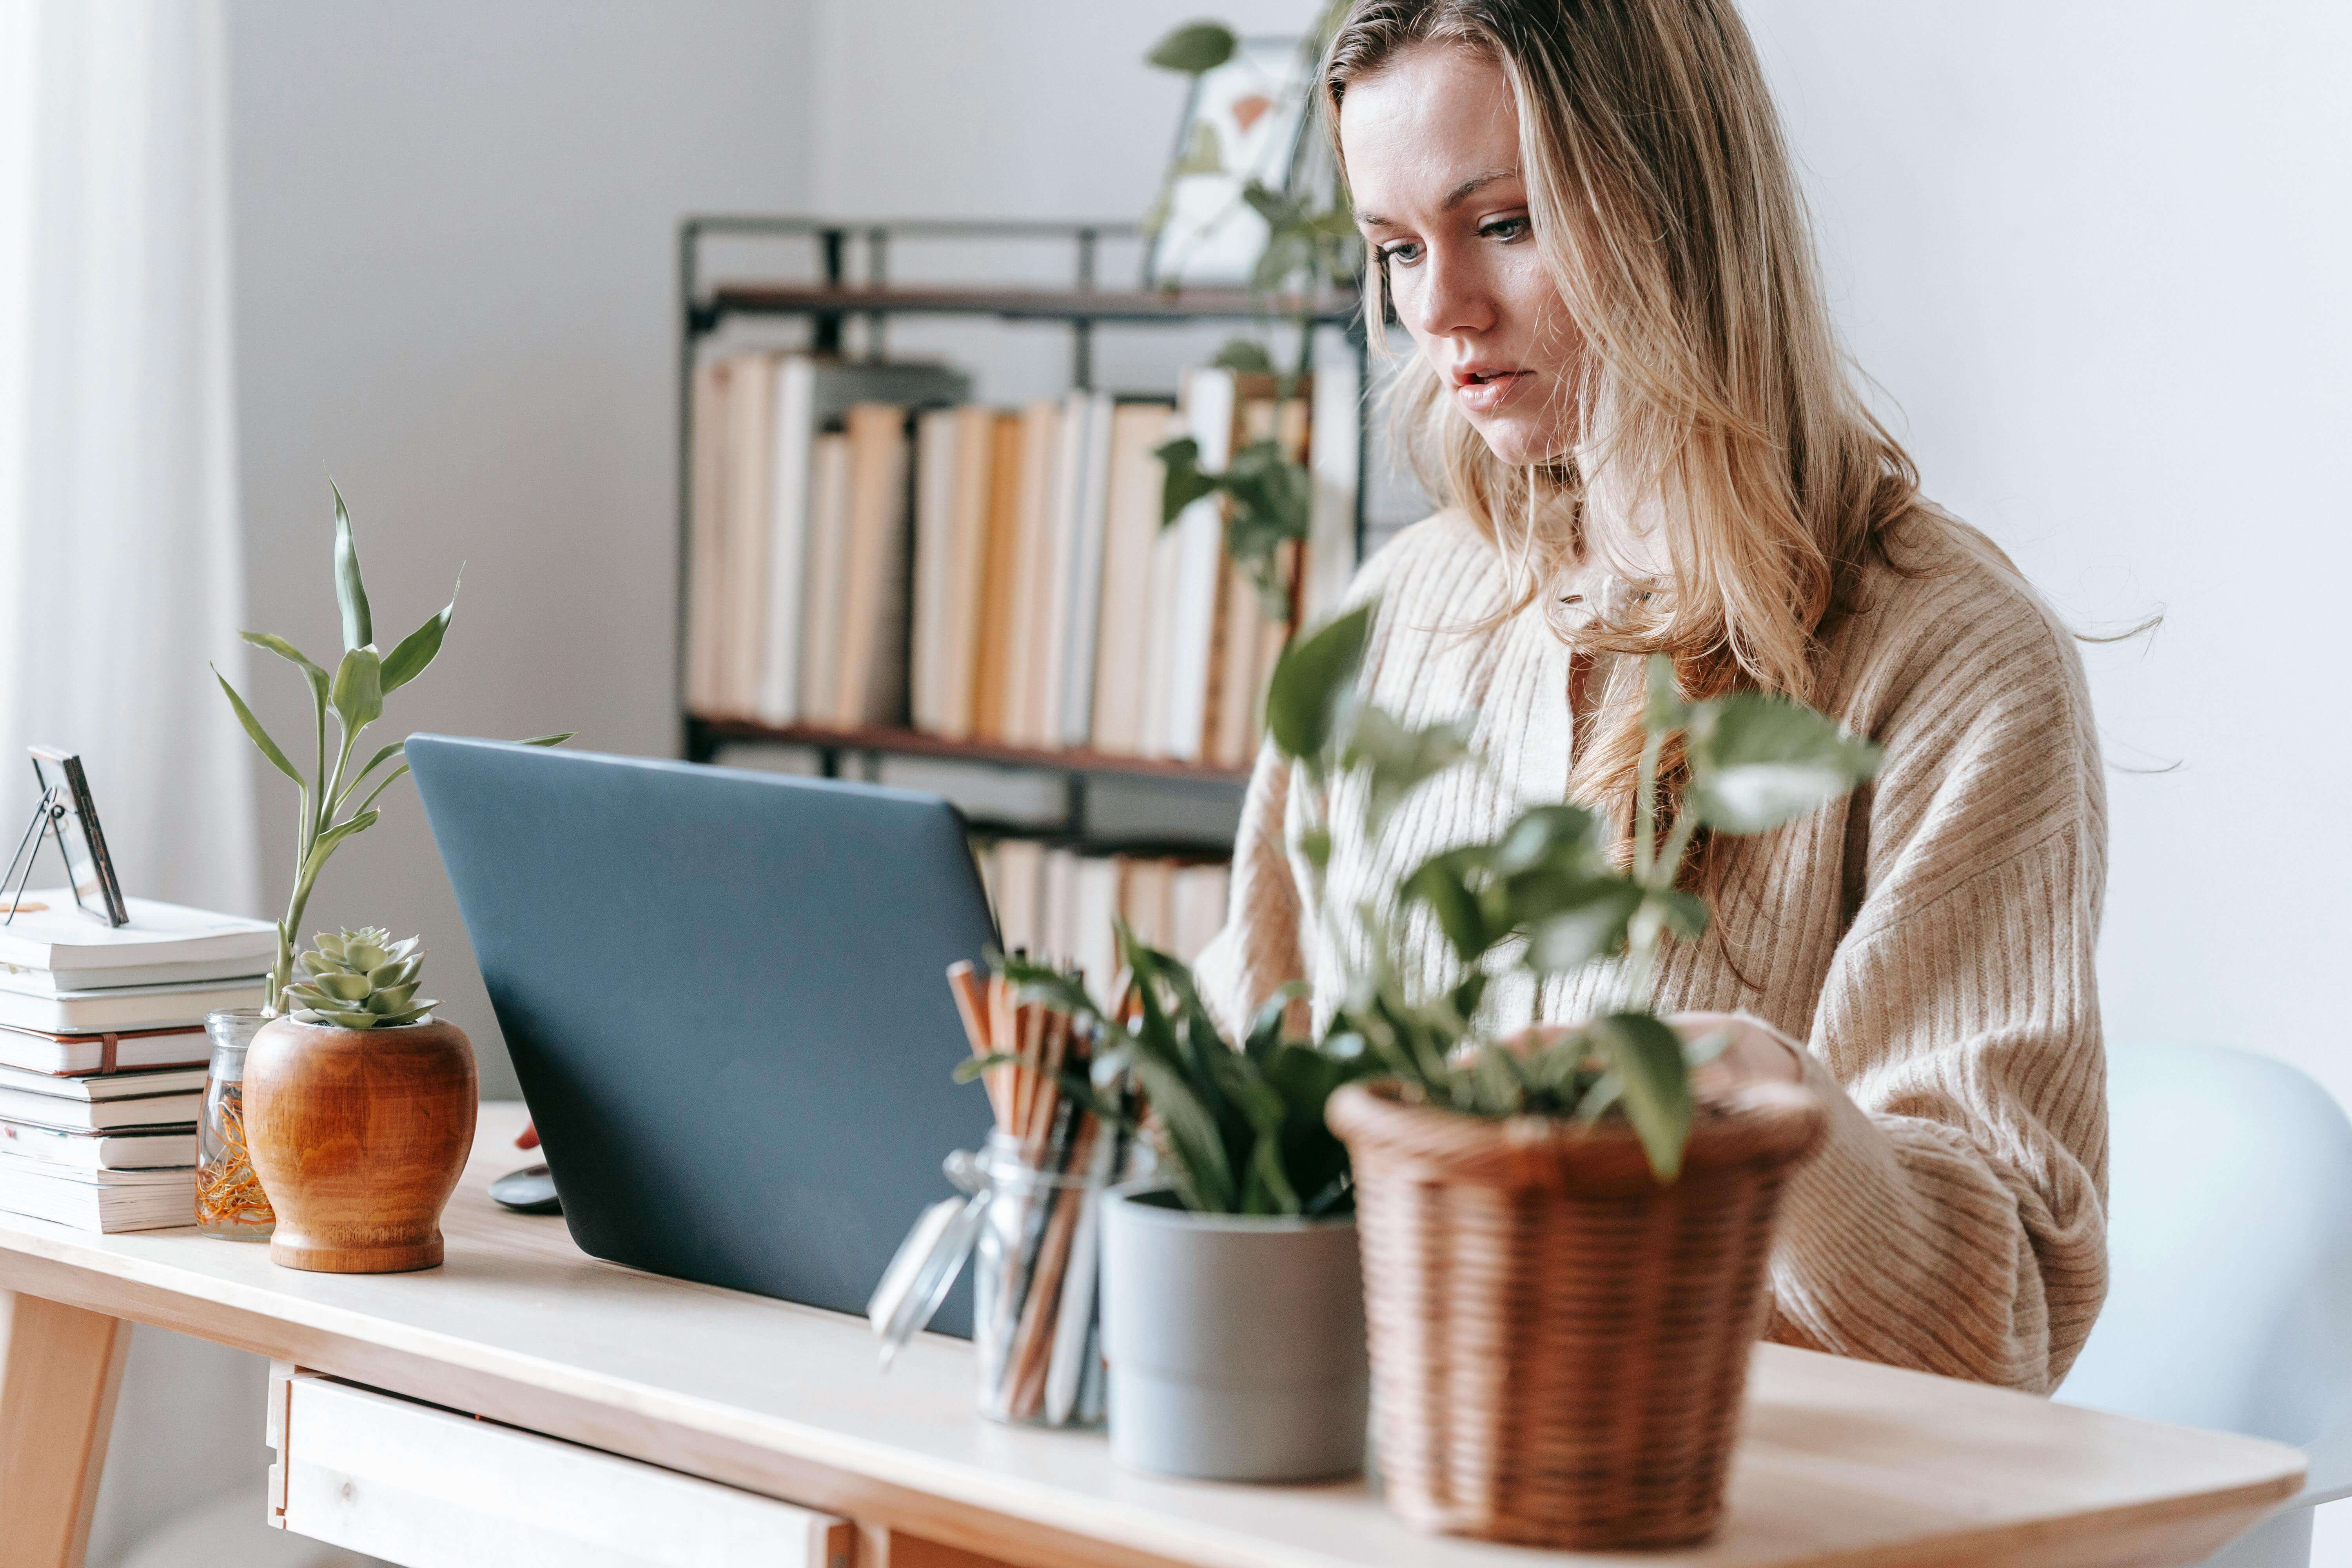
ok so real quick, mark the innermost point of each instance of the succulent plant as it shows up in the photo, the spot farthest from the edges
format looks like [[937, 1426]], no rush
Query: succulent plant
[[360, 980]]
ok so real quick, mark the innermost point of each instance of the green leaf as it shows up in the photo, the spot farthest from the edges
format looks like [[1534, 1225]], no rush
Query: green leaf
[[1043, 983], [1647, 1057], [1591, 924], [1185, 482], [1315, 844], [1245, 356], [408, 661], [1563, 837], [347, 1018], [548, 739], [293, 656], [1195, 48], [343, 987], [391, 998], [326, 843], [1758, 762], [358, 693], [1439, 883], [1278, 210], [1399, 760], [1685, 914], [351, 594], [270, 748], [1314, 681]]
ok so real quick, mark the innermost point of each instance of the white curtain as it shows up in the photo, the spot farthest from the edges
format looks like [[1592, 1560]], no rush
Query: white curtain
[[120, 571], [121, 578]]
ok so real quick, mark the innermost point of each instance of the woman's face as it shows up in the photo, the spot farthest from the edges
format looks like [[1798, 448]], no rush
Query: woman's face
[[1432, 140]]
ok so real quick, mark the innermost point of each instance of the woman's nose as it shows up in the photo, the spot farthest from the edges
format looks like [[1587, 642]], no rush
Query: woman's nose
[[1454, 297]]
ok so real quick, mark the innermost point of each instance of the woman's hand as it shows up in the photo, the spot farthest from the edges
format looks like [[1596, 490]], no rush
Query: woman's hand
[[1758, 1052]]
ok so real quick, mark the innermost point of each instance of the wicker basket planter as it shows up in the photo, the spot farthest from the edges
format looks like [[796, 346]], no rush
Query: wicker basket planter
[[1560, 1343]]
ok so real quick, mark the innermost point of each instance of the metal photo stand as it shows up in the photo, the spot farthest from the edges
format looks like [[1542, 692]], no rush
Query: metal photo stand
[[63, 796]]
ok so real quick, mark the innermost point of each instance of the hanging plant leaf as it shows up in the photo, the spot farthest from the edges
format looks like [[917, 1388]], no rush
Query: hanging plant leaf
[[1195, 48]]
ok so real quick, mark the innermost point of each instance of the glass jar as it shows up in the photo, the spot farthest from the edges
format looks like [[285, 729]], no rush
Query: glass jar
[[230, 1203], [1036, 1305]]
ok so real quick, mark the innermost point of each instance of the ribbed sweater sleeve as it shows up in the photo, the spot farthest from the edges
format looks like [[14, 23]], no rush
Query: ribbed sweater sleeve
[[1954, 1219]]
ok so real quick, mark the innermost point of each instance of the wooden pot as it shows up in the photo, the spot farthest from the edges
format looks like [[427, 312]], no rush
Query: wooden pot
[[358, 1136], [1560, 1343]]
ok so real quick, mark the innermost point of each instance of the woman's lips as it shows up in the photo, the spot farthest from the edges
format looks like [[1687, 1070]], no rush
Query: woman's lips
[[1487, 395]]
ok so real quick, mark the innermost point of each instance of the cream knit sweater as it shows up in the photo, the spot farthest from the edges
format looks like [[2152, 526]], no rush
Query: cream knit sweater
[[1928, 941]]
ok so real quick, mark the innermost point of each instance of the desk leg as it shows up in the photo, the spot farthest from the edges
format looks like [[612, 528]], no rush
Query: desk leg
[[881, 1547], [60, 1368]]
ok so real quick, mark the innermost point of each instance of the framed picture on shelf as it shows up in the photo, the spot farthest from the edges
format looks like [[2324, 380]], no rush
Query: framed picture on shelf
[[1245, 120]]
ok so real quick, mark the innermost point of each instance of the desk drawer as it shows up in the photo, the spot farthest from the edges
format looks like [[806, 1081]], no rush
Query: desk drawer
[[425, 1488]]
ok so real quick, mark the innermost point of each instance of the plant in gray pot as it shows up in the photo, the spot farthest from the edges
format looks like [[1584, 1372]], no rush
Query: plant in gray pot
[[1232, 1297]]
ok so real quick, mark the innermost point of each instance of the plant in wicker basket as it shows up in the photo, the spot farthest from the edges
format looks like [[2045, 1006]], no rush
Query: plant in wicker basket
[[1585, 1393]]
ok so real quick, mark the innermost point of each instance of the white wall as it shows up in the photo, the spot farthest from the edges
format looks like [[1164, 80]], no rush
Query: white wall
[[455, 229]]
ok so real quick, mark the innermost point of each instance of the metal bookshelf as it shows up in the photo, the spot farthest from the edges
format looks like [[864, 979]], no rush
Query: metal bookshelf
[[846, 274]]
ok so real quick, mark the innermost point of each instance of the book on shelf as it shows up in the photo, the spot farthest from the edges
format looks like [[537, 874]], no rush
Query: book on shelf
[[125, 1007], [144, 1150], [50, 933], [1057, 902], [175, 1112], [773, 536], [102, 1200], [78, 1055], [991, 574]]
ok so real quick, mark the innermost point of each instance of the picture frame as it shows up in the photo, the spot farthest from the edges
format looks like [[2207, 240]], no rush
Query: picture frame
[[69, 812], [1244, 120]]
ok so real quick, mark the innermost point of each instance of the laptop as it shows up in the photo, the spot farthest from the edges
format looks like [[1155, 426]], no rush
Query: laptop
[[725, 995]]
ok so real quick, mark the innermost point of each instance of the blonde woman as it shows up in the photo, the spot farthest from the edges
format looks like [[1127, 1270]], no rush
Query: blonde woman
[[1626, 393]]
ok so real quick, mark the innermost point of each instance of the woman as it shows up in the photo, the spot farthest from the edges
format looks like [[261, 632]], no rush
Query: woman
[[1626, 392]]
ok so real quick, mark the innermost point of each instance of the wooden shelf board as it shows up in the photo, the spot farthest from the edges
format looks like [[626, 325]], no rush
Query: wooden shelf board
[[1021, 304], [916, 743]]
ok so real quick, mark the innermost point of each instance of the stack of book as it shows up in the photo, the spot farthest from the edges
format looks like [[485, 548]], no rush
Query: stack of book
[[866, 552], [102, 1055], [1056, 903]]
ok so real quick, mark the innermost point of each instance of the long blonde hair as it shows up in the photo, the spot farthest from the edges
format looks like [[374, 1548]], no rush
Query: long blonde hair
[[1713, 396]]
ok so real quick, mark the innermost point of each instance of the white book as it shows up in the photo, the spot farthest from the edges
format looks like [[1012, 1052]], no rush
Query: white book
[[1198, 571], [929, 681], [40, 1051], [790, 453], [126, 1007], [742, 616], [1092, 935], [1058, 941], [707, 533], [1020, 895], [1060, 562], [96, 1151], [821, 590], [49, 932], [104, 1088], [175, 1112], [50, 982], [1333, 460], [1092, 505], [105, 1201]]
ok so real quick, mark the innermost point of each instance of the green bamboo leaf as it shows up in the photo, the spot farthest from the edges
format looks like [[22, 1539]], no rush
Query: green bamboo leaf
[[548, 739], [416, 650], [351, 594], [1314, 681], [390, 779], [358, 692], [1647, 1057], [330, 838], [293, 656], [270, 748], [1195, 48]]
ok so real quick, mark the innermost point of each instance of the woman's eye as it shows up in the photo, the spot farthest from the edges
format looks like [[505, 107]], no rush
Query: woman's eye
[[1403, 253], [1505, 230]]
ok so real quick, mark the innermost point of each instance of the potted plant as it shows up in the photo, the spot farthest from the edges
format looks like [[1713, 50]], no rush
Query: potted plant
[[339, 1075], [1232, 1295], [1564, 1246]]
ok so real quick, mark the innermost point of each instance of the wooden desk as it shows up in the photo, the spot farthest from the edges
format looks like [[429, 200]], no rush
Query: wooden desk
[[1842, 1463]]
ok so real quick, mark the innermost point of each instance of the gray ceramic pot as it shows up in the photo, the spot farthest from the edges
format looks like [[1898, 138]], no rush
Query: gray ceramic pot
[[1235, 1341]]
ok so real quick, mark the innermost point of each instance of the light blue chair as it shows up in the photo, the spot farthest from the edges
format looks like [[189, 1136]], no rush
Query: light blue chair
[[2229, 1262]]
